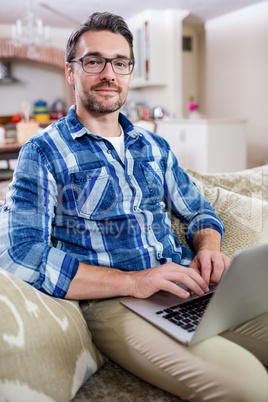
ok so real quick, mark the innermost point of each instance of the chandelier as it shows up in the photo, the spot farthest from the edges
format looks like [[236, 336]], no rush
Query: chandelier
[[30, 30]]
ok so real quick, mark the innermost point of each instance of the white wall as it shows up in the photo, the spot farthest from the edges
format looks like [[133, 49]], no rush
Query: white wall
[[236, 84], [38, 82]]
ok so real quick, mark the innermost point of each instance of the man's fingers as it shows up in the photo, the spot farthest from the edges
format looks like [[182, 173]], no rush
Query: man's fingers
[[219, 268], [189, 278], [202, 264], [211, 265]]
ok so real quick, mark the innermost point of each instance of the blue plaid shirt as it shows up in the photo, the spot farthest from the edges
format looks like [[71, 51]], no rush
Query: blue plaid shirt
[[72, 199]]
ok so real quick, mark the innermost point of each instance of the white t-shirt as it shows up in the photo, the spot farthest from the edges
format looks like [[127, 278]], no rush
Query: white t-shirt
[[119, 144]]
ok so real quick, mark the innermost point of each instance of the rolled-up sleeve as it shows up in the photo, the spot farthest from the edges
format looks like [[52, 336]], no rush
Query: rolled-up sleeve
[[26, 222], [187, 201]]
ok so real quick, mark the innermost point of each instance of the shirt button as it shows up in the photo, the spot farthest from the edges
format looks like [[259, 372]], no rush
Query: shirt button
[[109, 151], [159, 255], [130, 177], [135, 208]]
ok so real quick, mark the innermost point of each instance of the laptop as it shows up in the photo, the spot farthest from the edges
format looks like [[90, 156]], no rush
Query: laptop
[[241, 294]]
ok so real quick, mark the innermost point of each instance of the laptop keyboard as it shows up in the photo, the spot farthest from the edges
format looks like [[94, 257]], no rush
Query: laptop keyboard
[[186, 315]]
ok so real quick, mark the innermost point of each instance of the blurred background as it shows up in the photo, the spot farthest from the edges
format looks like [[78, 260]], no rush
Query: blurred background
[[197, 63]]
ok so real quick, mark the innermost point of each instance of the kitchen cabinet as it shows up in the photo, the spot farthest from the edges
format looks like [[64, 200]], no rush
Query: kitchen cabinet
[[149, 49], [156, 46], [207, 145]]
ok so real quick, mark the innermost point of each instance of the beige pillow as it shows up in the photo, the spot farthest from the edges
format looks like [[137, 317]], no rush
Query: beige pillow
[[241, 201], [46, 350], [249, 182]]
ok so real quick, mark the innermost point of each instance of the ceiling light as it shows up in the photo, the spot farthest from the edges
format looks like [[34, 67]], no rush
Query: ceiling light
[[30, 30]]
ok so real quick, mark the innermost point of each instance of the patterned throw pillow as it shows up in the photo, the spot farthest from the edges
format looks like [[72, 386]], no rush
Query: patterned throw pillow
[[241, 201], [46, 350]]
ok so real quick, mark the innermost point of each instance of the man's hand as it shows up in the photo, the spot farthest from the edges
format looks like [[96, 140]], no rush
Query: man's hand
[[94, 282], [209, 261], [167, 277], [211, 265]]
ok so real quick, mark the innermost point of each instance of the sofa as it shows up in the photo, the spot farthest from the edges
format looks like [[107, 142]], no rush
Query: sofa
[[46, 350]]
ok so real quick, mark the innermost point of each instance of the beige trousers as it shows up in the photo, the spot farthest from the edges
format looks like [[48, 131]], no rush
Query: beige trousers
[[217, 369]]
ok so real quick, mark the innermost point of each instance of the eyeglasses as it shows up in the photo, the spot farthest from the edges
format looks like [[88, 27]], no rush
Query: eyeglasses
[[96, 64]]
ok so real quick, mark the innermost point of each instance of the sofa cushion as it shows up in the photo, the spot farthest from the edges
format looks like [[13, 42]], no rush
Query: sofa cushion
[[241, 201], [46, 350]]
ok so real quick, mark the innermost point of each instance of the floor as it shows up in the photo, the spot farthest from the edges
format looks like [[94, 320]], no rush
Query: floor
[[113, 384]]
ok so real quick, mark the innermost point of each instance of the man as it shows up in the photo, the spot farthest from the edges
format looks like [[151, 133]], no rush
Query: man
[[85, 219]]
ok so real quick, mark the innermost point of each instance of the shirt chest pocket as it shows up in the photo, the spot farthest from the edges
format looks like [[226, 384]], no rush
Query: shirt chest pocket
[[155, 181], [94, 193]]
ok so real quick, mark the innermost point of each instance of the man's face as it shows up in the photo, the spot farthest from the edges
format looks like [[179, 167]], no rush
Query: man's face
[[103, 92]]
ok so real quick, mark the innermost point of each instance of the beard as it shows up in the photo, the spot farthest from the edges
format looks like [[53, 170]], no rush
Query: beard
[[91, 104]]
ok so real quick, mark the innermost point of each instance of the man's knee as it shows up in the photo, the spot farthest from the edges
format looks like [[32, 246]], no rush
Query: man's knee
[[214, 370]]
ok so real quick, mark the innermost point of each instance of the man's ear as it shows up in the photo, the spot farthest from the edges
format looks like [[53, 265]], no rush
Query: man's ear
[[69, 73]]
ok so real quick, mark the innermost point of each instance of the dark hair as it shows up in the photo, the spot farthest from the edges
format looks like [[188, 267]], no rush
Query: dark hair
[[99, 22]]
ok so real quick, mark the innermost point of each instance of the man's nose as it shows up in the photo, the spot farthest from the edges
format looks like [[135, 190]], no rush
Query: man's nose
[[108, 72]]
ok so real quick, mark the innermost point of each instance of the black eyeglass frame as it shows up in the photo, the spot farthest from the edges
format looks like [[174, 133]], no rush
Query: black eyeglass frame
[[107, 60]]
